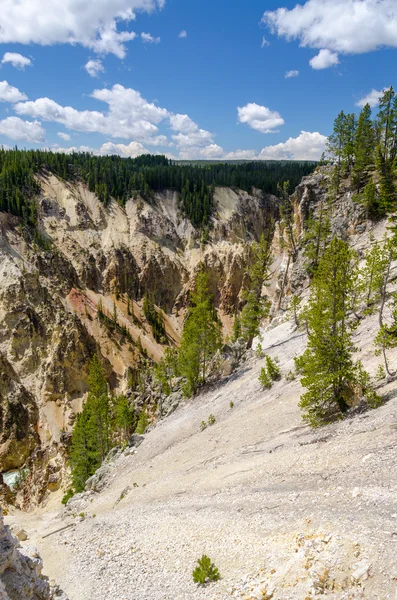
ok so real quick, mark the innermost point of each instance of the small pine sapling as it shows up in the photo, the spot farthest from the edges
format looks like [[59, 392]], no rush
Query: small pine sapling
[[265, 379], [272, 369], [205, 571], [211, 420]]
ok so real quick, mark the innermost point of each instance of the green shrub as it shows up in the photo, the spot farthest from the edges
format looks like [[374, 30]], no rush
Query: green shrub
[[272, 369], [205, 571], [203, 425], [290, 376], [259, 351], [143, 421], [265, 379], [211, 420], [231, 404], [69, 494]]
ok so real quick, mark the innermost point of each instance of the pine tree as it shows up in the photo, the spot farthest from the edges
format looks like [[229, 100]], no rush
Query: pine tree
[[364, 147], [328, 370], [201, 336], [99, 404], [272, 369], [387, 123], [123, 417], [373, 273], [370, 201], [317, 235], [236, 333], [341, 145], [256, 306], [294, 308], [287, 214], [85, 457], [387, 189]]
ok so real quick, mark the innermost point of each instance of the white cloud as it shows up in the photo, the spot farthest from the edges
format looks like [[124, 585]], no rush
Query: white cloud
[[133, 149], [190, 136], [94, 67], [147, 38], [19, 130], [259, 117], [293, 73], [129, 115], [324, 59], [344, 26], [9, 93], [63, 136], [264, 42], [182, 34], [372, 98], [307, 146], [91, 24], [241, 155], [16, 60]]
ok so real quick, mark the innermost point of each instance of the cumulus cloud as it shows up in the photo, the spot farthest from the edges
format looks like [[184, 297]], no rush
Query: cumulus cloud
[[324, 59], [210, 152], [259, 117], [9, 93], [182, 34], [372, 98], [132, 150], [16, 60], [241, 155], [307, 146], [94, 67], [129, 115], [147, 38], [343, 26], [190, 136], [91, 24], [19, 130], [63, 136], [293, 73]]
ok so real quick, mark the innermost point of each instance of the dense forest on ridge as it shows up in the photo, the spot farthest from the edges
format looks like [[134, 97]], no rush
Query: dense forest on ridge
[[122, 178]]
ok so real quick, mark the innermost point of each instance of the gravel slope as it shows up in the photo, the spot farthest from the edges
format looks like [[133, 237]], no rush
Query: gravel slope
[[285, 512]]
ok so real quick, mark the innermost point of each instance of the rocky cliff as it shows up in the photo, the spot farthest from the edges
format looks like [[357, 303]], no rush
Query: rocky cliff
[[20, 571], [87, 255]]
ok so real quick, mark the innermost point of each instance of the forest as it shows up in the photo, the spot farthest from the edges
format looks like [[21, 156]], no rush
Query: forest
[[123, 178]]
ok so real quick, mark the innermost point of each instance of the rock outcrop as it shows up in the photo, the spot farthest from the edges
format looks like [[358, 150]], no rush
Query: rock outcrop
[[20, 571], [88, 257]]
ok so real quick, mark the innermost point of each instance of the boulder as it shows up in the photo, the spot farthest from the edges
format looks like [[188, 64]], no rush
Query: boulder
[[135, 440]]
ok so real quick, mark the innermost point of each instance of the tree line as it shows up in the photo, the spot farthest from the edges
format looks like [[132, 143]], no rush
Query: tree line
[[123, 178], [365, 149]]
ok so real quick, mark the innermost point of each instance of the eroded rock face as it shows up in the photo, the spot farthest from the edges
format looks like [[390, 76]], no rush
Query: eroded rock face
[[99, 256], [18, 418], [20, 571]]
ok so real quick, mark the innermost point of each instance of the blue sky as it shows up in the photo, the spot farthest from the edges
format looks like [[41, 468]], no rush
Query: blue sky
[[190, 79]]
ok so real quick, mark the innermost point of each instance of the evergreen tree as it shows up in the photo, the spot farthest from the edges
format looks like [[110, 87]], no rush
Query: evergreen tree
[[341, 145], [387, 123], [294, 308], [236, 333], [364, 147], [256, 306], [327, 367], [373, 273], [91, 437], [317, 235], [370, 201], [99, 405], [85, 456], [387, 189], [123, 417], [201, 336]]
